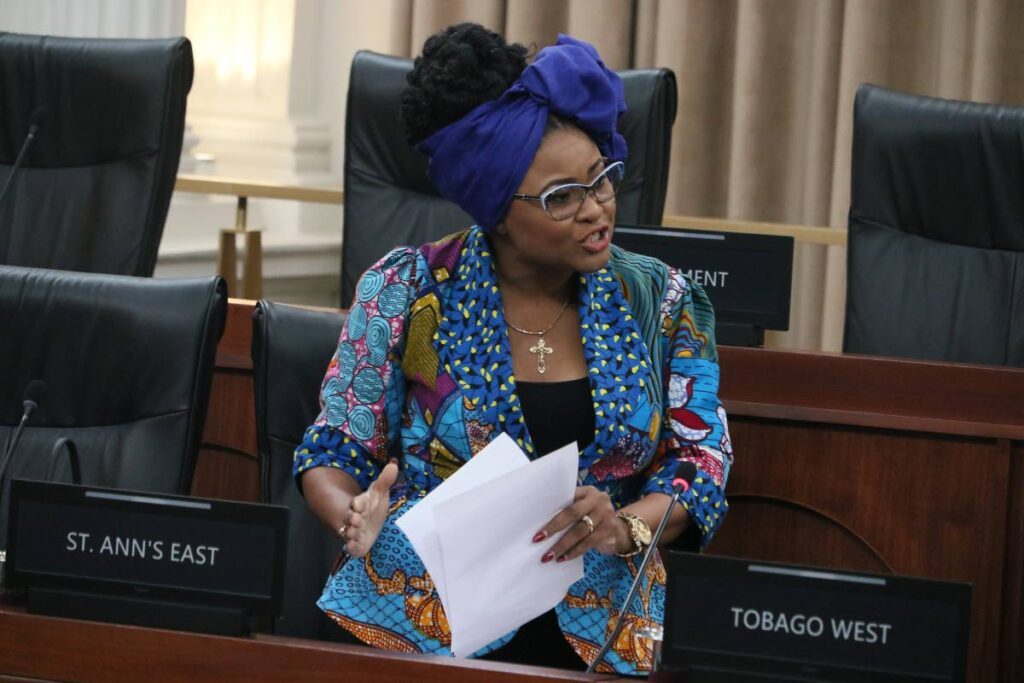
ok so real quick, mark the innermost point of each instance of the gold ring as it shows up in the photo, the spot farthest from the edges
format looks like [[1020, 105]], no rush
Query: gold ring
[[341, 531], [589, 522]]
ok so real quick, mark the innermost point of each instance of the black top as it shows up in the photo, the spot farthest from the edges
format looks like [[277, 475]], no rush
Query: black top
[[557, 413]]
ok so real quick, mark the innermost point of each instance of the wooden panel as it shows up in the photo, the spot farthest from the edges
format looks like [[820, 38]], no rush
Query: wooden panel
[[231, 418], [45, 648], [1013, 594], [226, 474], [228, 465], [794, 533], [235, 347], [916, 503], [893, 393]]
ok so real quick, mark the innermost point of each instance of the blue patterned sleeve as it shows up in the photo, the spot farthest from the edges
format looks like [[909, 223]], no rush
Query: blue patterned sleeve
[[694, 425], [362, 395]]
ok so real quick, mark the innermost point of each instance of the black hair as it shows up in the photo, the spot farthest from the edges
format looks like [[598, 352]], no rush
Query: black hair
[[461, 67]]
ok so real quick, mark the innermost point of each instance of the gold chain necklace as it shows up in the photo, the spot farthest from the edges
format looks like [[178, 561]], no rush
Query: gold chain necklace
[[541, 349]]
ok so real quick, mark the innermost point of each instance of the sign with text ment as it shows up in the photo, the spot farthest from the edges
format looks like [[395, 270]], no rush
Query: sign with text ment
[[747, 277]]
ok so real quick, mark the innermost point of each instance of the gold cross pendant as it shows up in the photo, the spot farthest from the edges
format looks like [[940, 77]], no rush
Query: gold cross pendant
[[541, 349]]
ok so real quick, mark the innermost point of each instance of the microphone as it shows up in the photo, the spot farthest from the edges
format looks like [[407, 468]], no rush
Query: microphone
[[680, 485], [35, 122], [33, 395]]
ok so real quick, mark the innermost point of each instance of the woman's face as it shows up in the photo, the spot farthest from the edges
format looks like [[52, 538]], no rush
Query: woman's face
[[577, 244]]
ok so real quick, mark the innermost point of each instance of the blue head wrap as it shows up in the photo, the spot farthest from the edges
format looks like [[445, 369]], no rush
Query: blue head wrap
[[479, 161]]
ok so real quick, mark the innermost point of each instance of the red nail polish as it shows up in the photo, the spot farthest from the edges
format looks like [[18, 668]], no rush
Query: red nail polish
[[548, 556], [539, 536], [561, 558]]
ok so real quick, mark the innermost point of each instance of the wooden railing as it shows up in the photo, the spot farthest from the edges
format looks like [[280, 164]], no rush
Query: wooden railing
[[251, 281]]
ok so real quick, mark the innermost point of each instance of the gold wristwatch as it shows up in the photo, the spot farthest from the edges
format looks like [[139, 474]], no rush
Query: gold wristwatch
[[638, 531]]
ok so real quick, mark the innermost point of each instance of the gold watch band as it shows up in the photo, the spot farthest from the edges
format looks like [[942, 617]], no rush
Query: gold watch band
[[639, 532]]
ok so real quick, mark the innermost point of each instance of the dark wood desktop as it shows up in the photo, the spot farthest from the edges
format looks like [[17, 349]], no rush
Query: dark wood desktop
[[848, 462], [51, 649]]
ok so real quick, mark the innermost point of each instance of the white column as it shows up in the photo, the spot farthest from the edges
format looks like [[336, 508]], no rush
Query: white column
[[254, 102], [269, 103]]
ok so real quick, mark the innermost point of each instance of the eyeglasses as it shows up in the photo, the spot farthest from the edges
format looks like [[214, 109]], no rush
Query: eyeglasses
[[564, 202]]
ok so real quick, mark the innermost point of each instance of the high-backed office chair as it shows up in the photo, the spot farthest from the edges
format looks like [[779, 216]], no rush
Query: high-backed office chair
[[127, 363], [390, 201], [291, 347], [935, 266], [95, 184]]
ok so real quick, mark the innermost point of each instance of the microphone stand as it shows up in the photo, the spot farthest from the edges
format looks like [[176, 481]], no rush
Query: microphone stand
[[29, 407], [8, 452], [38, 118], [681, 485], [21, 155], [33, 393]]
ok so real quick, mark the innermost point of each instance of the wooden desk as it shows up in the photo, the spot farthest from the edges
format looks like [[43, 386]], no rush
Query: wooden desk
[[850, 462], [49, 649], [884, 465]]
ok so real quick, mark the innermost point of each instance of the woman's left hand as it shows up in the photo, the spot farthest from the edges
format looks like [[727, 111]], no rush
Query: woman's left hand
[[608, 534]]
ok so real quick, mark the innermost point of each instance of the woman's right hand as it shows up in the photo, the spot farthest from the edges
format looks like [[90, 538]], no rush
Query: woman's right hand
[[367, 512]]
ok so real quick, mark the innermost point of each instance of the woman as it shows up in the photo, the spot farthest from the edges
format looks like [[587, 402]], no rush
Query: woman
[[529, 323]]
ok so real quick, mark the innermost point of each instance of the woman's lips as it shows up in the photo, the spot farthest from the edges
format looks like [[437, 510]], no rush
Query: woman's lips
[[598, 240]]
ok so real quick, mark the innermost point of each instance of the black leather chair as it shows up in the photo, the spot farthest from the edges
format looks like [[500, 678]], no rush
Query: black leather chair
[[95, 185], [390, 201], [935, 264], [127, 363], [291, 347]]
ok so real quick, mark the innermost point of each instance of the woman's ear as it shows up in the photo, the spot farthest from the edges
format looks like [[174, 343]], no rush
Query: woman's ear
[[500, 229]]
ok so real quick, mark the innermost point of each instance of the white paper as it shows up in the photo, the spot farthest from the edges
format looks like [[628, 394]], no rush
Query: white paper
[[492, 569], [499, 457]]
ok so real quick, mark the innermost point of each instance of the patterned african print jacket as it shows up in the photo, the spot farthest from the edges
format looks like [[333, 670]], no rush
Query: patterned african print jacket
[[422, 373]]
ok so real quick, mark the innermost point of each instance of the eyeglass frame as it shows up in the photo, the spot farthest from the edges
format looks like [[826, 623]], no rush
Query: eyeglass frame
[[588, 189]]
